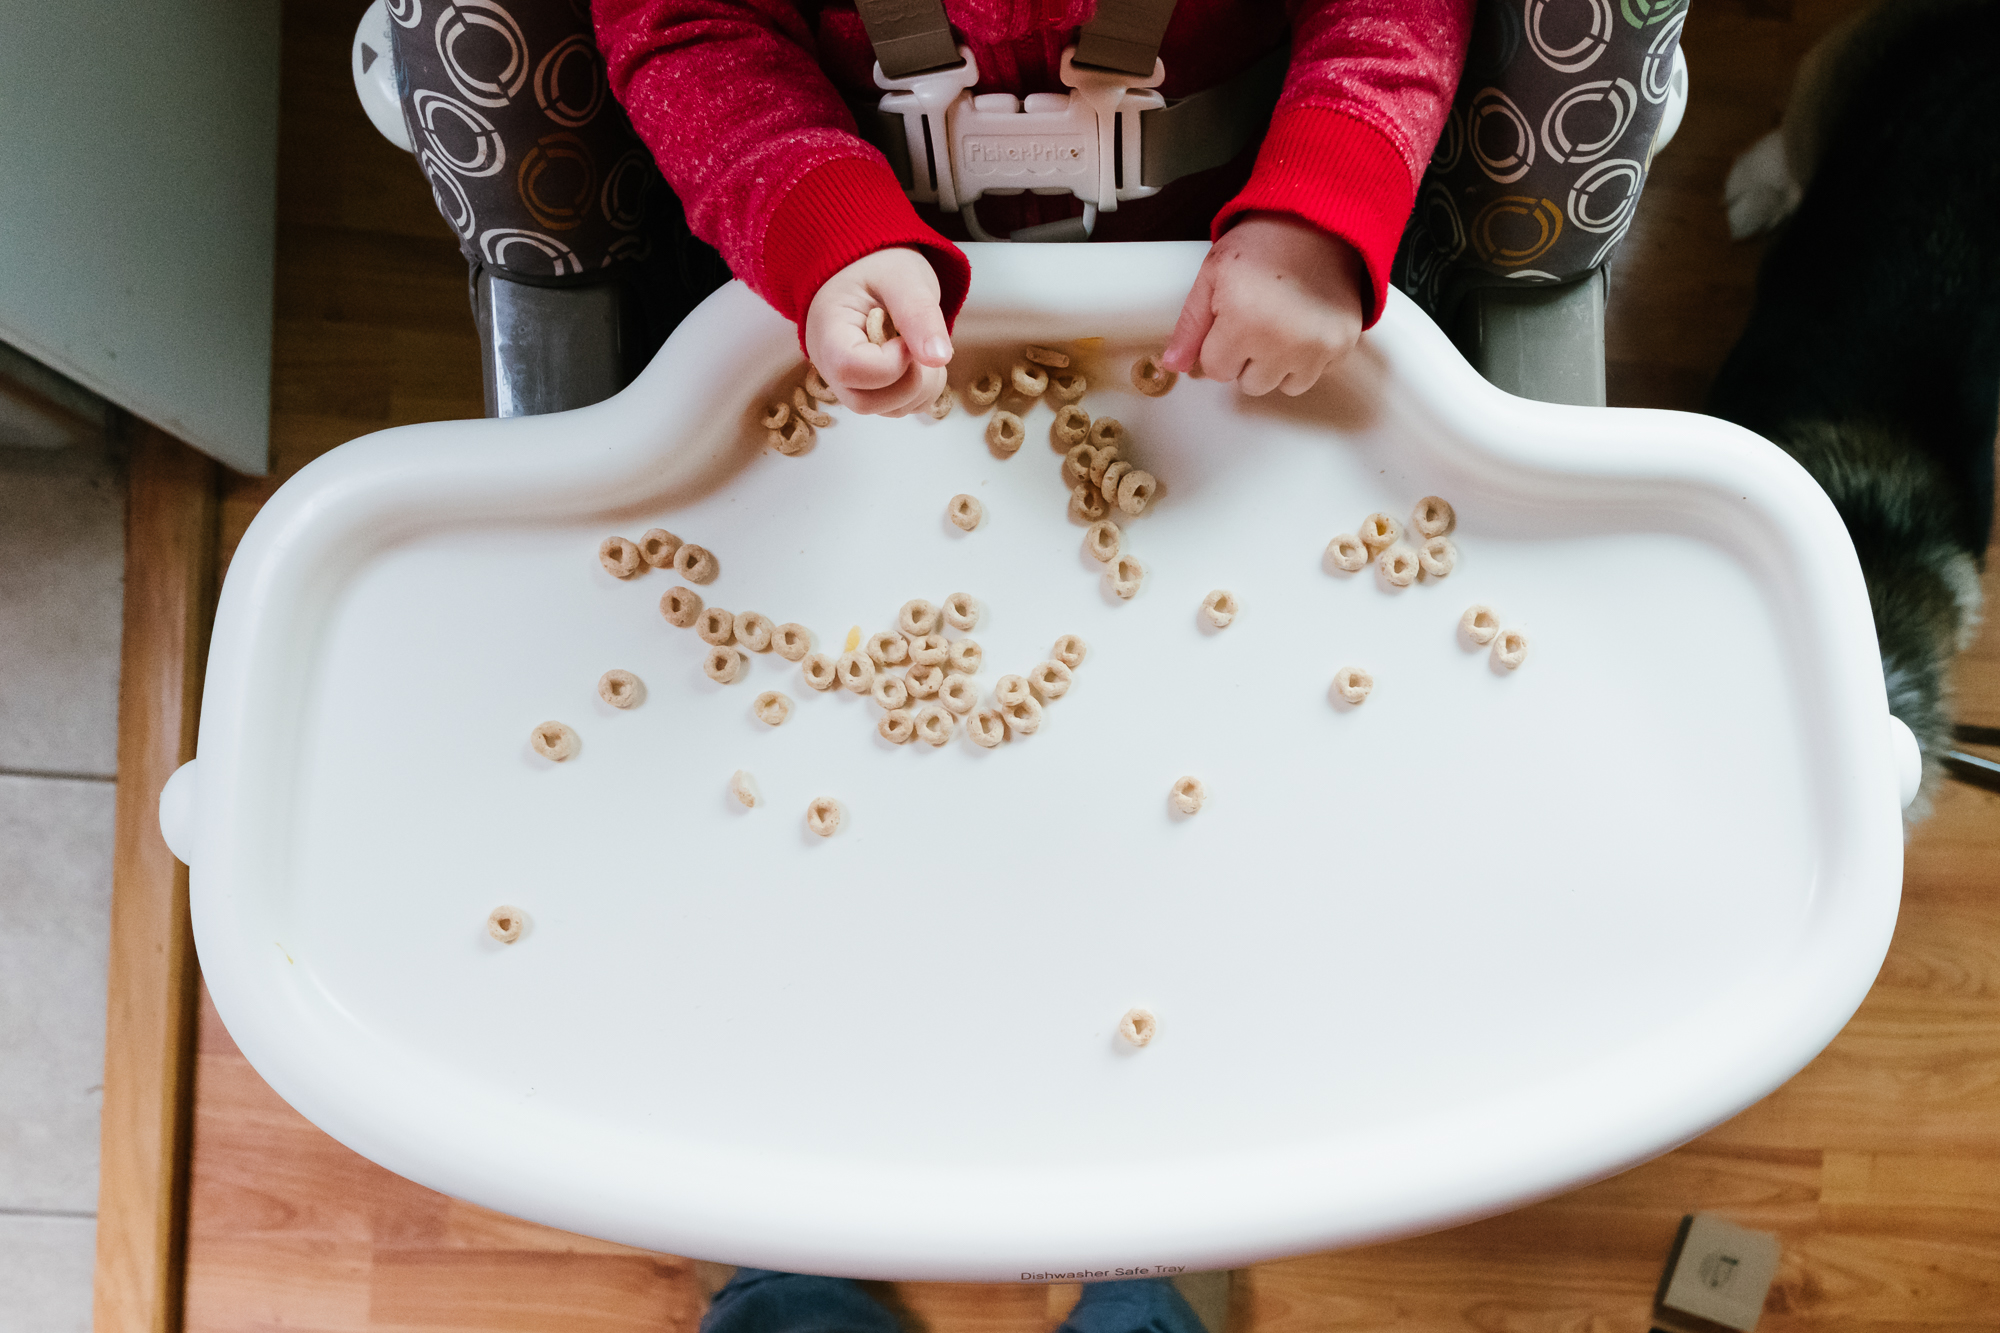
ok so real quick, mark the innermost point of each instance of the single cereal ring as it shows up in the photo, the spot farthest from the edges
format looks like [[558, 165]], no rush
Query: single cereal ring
[[1050, 681], [1399, 566], [1070, 428], [1433, 517], [504, 924], [1353, 684], [897, 726], [823, 816], [880, 327], [776, 415], [819, 671], [771, 708], [965, 512], [1135, 491], [1346, 553], [1103, 540], [1137, 1026], [681, 607], [964, 656], [1151, 378], [803, 405], [958, 693], [985, 391], [1069, 650], [1078, 459], [619, 557], [1029, 381], [986, 728], [1068, 388], [1437, 557], [1511, 648], [792, 641], [1480, 624], [1125, 576], [889, 691], [657, 547], [1107, 431], [754, 631], [723, 665], [716, 626], [620, 689], [1046, 356], [1188, 796], [1085, 504], [934, 724], [887, 649], [793, 438], [744, 788], [1104, 459], [1011, 690], [917, 618], [695, 564], [1114, 475], [1378, 531], [924, 682], [961, 610], [1220, 607], [929, 649], [1005, 432], [941, 405], [817, 386], [1023, 718], [553, 740], [856, 671]]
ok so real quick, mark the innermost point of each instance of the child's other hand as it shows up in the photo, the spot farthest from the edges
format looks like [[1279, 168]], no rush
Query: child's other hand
[[1277, 301], [902, 375]]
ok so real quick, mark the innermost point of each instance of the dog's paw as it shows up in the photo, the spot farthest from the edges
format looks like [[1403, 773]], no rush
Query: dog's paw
[[1760, 192]]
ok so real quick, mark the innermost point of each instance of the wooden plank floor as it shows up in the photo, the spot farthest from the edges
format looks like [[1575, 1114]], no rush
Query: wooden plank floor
[[1879, 1164]]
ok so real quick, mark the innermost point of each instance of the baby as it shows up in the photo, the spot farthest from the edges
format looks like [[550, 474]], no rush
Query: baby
[[745, 105]]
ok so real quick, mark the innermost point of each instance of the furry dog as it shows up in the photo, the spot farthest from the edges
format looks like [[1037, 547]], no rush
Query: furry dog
[[1872, 354]]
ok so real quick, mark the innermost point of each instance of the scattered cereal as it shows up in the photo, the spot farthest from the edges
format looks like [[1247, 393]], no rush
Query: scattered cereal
[[1353, 684], [1433, 517], [657, 547], [1135, 491], [1029, 381], [817, 386], [1047, 356], [694, 563], [504, 924], [1220, 607], [1480, 624], [929, 649], [1511, 648], [934, 724], [1070, 650], [681, 606], [880, 330], [1138, 1026], [985, 391], [961, 610], [1107, 431], [754, 631], [1005, 432], [716, 626], [1125, 575], [965, 512], [823, 816], [1085, 504], [1378, 531], [888, 649], [890, 691], [1078, 459], [811, 415], [986, 728], [1011, 690], [792, 438], [1050, 681], [744, 788], [958, 693], [771, 708], [792, 641], [1437, 557], [776, 415], [856, 671], [1399, 566], [1023, 717], [1347, 552], [941, 405], [1070, 428], [917, 617], [1103, 540], [853, 638], [819, 671], [620, 689], [1114, 473], [897, 726], [964, 656], [723, 665], [1188, 796], [1066, 387], [619, 557], [553, 740], [1103, 459], [924, 681], [1151, 378]]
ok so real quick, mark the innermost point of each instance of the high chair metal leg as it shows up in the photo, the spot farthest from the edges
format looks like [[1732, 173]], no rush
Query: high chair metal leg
[[1542, 342]]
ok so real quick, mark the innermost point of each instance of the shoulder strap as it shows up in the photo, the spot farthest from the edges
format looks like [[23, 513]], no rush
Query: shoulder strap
[[1125, 35], [911, 36]]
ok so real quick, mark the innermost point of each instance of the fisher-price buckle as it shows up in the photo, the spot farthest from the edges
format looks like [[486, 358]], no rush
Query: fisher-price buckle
[[1085, 142]]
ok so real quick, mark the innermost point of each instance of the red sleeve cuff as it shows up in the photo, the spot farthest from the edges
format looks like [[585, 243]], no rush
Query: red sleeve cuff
[[1338, 173], [837, 213]]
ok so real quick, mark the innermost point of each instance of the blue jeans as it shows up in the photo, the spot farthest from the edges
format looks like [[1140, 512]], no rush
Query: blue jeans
[[758, 1300]]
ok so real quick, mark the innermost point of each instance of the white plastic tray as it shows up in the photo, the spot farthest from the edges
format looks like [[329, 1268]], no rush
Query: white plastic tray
[[1483, 938]]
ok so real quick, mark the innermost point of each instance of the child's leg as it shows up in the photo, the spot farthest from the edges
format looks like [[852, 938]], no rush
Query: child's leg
[[759, 1300], [1148, 1306]]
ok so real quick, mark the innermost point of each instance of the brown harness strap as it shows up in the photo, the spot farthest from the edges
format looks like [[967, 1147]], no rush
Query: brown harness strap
[[909, 36], [1124, 35]]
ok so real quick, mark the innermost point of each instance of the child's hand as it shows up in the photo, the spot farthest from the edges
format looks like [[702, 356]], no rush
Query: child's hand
[[1277, 301], [901, 375]]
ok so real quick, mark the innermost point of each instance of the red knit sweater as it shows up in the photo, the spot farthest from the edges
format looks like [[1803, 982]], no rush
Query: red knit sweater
[[741, 102]]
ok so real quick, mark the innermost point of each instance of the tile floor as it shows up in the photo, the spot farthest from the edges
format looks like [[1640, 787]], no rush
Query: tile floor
[[61, 584]]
